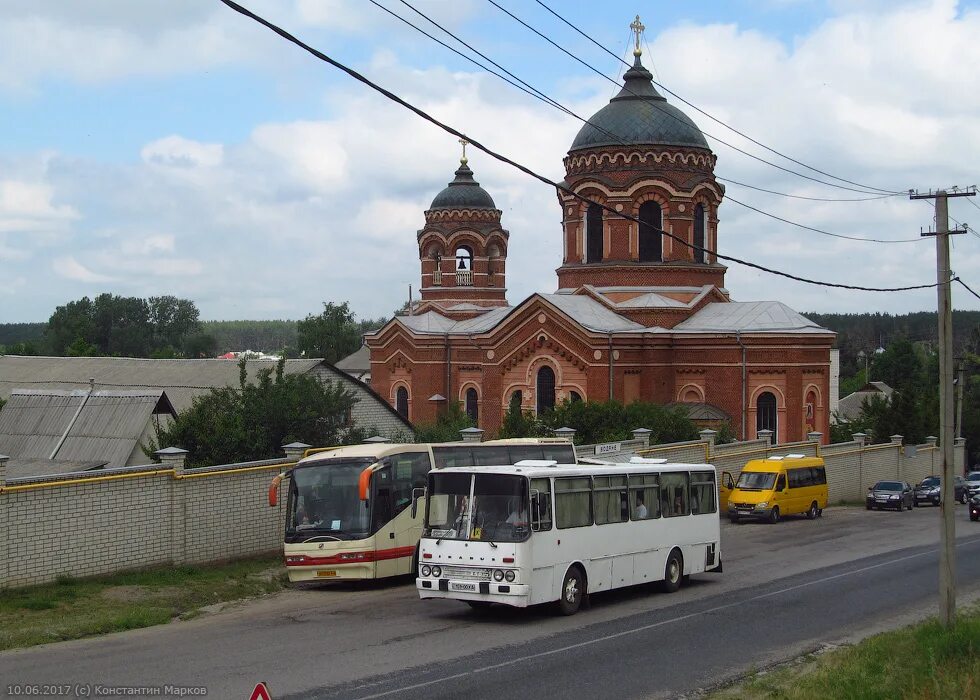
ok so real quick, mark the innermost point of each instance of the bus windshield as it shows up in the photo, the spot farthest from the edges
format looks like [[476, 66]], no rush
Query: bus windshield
[[497, 512], [324, 502], [756, 481]]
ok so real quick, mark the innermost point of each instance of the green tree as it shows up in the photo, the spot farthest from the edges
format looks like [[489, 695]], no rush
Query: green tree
[[332, 335], [520, 423], [446, 427], [253, 421], [173, 320], [611, 421]]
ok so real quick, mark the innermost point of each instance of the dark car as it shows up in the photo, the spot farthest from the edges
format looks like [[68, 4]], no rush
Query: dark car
[[975, 508], [889, 494], [928, 490]]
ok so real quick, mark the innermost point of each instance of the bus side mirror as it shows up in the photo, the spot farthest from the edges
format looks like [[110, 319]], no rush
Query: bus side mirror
[[416, 495], [364, 484], [274, 490]]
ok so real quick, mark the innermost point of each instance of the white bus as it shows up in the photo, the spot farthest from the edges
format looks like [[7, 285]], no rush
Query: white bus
[[351, 512], [539, 532]]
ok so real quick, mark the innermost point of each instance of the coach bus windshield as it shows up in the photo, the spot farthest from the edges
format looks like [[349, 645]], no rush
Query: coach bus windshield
[[497, 511], [324, 503]]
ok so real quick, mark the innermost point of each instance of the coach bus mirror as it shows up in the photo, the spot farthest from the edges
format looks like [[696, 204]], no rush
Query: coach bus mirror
[[274, 490], [416, 495], [535, 514], [364, 483]]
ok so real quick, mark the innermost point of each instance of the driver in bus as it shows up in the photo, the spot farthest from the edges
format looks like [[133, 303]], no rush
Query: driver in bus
[[518, 515]]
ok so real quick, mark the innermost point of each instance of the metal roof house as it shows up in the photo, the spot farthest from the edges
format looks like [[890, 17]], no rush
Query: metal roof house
[[50, 431]]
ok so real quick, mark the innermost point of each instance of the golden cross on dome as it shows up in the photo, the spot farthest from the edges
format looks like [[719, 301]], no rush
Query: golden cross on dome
[[463, 159], [637, 26]]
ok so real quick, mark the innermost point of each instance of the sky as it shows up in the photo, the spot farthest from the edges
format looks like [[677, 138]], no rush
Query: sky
[[177, 147]]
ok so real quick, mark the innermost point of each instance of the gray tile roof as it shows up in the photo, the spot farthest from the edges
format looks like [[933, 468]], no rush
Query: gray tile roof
[[357, 362], [851, 406], [748, 317]]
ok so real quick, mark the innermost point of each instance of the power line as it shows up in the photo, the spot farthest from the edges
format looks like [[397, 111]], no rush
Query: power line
[[864, 189], [504, 159], [964, 285], [689, 104], [812, 199], [728, 198], [538, 94]]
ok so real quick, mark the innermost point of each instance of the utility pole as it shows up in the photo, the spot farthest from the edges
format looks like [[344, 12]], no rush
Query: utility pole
[[947, 502], [959, 397]]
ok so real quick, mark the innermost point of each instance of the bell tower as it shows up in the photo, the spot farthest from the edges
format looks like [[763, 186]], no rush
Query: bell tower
[[462, 250]]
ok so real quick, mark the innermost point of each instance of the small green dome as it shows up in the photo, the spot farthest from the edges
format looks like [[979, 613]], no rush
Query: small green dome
[[463, 193]]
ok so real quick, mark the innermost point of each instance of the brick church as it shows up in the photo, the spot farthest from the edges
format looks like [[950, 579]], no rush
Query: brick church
[[636, 316]]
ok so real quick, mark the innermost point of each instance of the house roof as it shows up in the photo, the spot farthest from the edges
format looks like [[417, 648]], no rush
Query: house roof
[[748, 317], [33, 468], [181, 379], [357, 361], [851, 406], [78, 426]]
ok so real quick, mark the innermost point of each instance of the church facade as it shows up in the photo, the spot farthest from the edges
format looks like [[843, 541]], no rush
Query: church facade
[[638, 314]]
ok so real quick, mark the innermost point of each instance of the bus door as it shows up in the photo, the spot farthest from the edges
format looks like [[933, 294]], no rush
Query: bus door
[[398, 531], [725, 486]]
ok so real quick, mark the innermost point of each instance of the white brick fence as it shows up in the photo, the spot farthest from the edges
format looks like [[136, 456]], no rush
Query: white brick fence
[[91, 523]]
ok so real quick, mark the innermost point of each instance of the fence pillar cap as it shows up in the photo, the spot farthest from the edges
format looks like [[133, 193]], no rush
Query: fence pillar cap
[[896, 439], [564, 430], [377, 439], [173, 457], [296, 445], [931, 439], [959, 441], [294, 450], [471, 434]]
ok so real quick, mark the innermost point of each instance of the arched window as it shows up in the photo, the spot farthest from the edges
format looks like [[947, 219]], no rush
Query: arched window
[[593, 234], [401, 401], [464, 266], [516, 399], [574, 396], [699, 227], [472, 405], [765, 413], [546, 389], [651, 240]]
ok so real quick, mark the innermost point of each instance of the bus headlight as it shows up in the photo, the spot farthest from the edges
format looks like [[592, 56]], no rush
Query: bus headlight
[[510, 576], [426, 571], [498, 575], [436, 571]]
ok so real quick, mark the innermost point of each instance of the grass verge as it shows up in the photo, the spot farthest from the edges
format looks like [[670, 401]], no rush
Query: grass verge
[[73, 608], [923, 661]]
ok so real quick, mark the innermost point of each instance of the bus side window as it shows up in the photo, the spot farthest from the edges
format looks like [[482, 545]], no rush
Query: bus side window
[[404, 469], [702, 492], [674, 493], [542, 517], [781, 483]]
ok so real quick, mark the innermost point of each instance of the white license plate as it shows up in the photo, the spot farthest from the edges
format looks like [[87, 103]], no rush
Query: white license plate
[[471, 587]]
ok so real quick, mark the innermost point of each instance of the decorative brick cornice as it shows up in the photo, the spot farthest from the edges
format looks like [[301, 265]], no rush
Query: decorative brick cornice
[[618, 158], [440, 215]]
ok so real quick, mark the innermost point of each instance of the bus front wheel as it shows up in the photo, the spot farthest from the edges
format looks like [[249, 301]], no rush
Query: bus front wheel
[[673, 572], [572, 590]]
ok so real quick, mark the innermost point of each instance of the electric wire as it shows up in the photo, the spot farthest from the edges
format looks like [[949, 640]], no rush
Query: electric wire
[[689, 104], [966, 287], [504, 159], [537, 94], [811, 199]]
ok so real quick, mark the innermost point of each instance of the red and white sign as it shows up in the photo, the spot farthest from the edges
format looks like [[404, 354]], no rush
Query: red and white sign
[[261, 692]]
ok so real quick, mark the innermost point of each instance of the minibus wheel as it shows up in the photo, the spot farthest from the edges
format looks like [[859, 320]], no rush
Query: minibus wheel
[[812, 513], [572, 591], [774, 515], [673, 572]]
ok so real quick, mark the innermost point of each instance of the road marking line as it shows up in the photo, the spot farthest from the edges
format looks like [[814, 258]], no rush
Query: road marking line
[[653, 625]]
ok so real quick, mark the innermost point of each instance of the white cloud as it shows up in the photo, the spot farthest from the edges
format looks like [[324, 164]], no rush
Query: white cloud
[[69, 268], [326, 207]]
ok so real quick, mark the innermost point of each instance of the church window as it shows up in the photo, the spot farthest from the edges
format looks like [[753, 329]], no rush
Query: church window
[[699, 228], [593, 234], [651, 238], [765, 413], [574, 396], [546, 389], [472, 405], [464, 266], [516, 399], [401, 401]]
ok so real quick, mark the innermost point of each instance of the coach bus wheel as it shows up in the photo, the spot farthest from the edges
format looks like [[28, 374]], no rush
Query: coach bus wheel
[[812, 513], [673, 572], [572, 590]]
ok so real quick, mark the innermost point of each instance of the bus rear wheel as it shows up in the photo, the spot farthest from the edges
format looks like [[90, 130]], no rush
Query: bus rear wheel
[[673, 572], [572, 590]]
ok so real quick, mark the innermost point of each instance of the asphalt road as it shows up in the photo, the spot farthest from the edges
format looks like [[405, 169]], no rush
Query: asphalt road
[[786, 589]]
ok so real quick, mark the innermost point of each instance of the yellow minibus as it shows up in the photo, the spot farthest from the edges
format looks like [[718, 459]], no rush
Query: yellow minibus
[[768, 489]]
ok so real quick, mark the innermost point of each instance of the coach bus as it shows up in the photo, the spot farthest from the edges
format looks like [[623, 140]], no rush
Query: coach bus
[[352, 512], [540, 531]]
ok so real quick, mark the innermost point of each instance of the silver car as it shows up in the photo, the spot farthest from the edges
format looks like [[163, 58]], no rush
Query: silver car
[[973, 483]]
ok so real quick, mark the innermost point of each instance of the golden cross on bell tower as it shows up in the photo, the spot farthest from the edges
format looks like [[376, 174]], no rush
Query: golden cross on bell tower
[[463, 159], [637, 26]]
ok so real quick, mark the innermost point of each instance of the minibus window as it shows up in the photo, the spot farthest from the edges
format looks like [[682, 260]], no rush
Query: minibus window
[[644, 496], [781, 483], [573, 501], [609, 499]]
